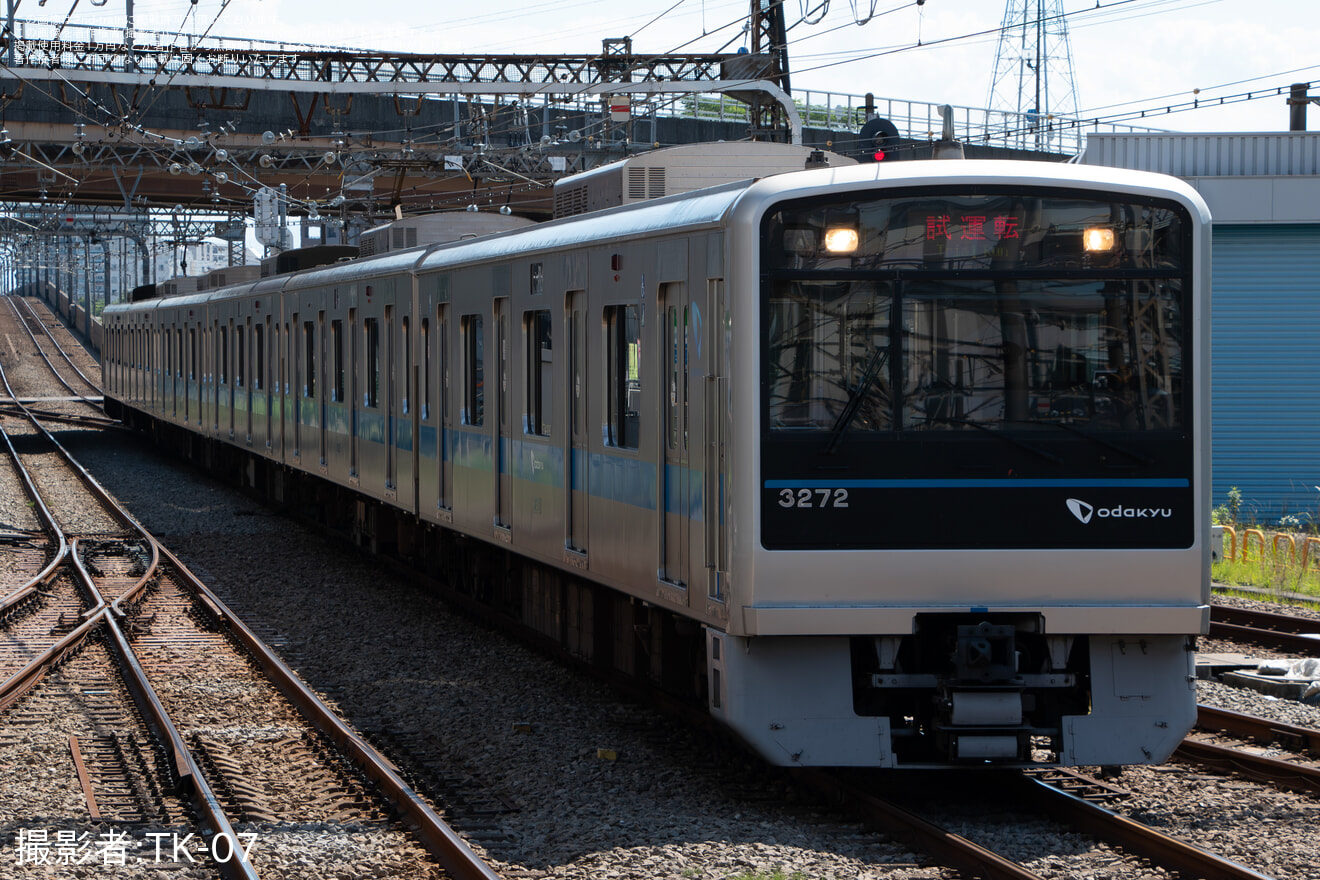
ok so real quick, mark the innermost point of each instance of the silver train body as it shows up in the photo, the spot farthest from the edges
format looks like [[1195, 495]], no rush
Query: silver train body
[[922, 448]]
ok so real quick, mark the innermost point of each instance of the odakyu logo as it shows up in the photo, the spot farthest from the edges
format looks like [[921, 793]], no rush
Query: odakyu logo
[[1081, 510], [1085, 512]]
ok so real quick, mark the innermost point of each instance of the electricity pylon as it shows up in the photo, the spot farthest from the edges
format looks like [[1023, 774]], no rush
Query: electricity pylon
[[1034, 72]]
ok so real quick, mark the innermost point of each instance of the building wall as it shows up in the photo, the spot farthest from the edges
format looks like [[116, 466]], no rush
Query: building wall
[[1265, 332]]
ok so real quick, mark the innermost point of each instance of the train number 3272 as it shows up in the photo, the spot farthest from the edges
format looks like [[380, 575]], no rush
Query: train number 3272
[[813, 497]]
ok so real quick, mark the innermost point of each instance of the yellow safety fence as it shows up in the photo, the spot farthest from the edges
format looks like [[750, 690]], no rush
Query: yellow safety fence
[[1281, 548]]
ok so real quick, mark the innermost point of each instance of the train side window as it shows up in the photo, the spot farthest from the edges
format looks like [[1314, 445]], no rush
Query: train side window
[[537, 278], [426, 369], [623, 346], [371, 394], [309, 359], [240, 365], [259, 353], [540, 372], [474, 368], [442, 363], [192, 351], [407, 364], [224, 355], [337, 352]]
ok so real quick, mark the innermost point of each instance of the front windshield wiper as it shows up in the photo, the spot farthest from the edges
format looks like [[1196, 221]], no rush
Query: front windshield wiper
[[1036, 451], [1072, 429], [874, 365]]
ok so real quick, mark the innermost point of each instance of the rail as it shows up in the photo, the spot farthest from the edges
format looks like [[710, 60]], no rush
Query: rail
[[1223, 758], [1168, 852], [1294, 634]]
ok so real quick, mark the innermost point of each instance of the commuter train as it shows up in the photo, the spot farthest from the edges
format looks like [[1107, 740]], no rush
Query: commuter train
[[895, 465]]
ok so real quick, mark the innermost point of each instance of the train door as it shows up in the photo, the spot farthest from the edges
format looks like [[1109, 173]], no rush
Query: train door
[[405, 435], [180, 374], [444, 461], [220, 363], [391, 403], [263, 371], [337, 420], [373, 436], [189, 406], [233, 375], [676, 475], [282, 384], [308, 420], [577, 454], [295, 393], [245, 376], [320, 400], [715, 390], [503, 490], [171, 402], [353, 402]]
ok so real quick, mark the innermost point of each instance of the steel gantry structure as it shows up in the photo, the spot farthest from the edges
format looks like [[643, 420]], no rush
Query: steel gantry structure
[[95, 121]]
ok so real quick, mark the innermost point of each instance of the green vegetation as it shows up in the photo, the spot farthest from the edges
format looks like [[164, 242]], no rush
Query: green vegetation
[[1227, 514], [1284, 559], [1284, 577]]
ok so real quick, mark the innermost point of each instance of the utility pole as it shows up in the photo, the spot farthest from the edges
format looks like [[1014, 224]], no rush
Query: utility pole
[[768, 61], [1298, 98]]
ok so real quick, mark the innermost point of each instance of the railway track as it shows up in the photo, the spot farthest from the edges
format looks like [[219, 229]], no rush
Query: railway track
[[1298, 635], [1260, 749], [41, 327], [152, 700], [1058, 796], [31, 326]]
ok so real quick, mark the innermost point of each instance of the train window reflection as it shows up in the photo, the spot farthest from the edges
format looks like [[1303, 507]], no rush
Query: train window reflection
[[1106, 355], [371, 393], [623, 353], [474, 362], [828, 355]]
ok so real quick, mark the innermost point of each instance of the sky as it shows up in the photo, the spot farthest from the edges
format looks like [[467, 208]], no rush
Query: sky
[[1127, 55]]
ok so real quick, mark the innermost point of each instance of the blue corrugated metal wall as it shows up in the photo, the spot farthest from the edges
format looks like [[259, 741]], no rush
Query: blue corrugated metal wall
[[1265, 349]]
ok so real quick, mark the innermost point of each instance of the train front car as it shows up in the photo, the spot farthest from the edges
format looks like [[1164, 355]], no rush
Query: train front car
[[969, 466]]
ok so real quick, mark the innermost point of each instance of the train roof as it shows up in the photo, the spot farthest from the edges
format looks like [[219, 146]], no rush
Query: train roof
[[391, 263], [694, 210], [709, 207], [977, 172]]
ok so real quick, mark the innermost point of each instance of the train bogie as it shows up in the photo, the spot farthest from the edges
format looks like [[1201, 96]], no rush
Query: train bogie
[[924, 468]]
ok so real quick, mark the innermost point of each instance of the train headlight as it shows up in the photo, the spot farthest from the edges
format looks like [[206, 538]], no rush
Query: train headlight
[[1098, 239], [840, 240]]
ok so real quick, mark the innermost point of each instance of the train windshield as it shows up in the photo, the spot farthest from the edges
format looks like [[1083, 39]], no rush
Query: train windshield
[[1014, 357], [968, 313]]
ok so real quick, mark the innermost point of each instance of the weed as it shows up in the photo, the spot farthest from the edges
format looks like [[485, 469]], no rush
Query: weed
[[1277, 568]]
